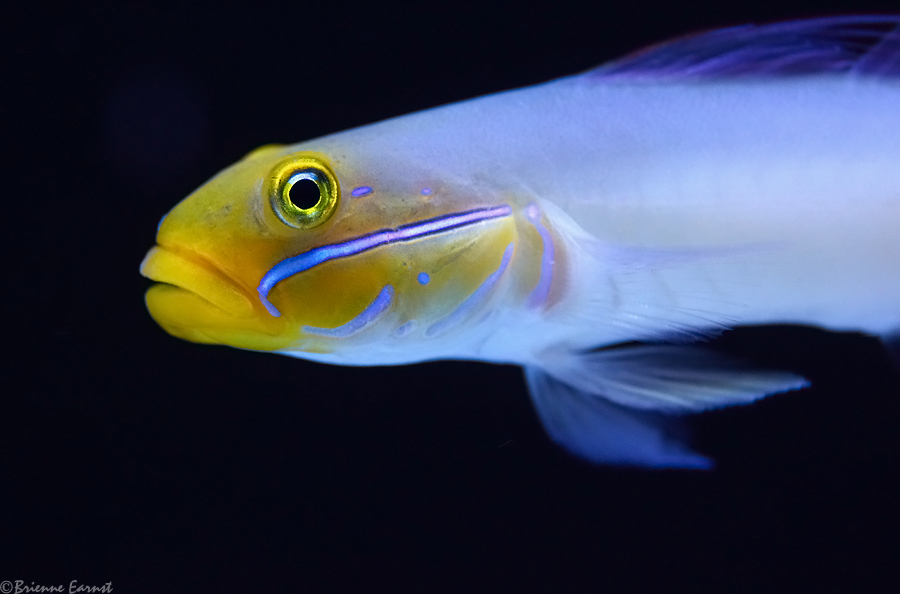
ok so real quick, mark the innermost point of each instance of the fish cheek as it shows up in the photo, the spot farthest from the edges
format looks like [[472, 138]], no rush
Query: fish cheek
[[332, 294], [366, 297], [441, 272]]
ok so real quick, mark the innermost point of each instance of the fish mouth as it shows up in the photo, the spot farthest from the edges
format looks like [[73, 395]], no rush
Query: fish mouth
[[195, 300], [189, 272]]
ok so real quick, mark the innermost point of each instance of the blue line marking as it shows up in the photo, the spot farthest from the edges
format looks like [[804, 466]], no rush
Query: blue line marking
[[548, 257], [361, 191], [318, 255], [473, 300], [368, 316]]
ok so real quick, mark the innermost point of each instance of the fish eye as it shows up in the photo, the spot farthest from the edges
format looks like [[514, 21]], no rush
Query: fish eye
[[303, 191]]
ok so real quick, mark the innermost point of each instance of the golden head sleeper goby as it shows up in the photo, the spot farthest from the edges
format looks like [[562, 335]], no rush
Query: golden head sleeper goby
[[743, 176]]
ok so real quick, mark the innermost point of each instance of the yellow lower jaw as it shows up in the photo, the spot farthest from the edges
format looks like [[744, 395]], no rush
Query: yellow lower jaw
[[188, 316], [183, 269]]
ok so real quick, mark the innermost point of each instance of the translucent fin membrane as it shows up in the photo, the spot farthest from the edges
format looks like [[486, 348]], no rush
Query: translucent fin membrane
[[865, 45]]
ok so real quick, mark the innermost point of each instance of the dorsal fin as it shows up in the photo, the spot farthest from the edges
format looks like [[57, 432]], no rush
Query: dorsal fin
[[863, 45]]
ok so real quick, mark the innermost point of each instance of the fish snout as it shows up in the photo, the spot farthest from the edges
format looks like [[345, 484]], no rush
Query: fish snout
[[195, 300], [191, 273]]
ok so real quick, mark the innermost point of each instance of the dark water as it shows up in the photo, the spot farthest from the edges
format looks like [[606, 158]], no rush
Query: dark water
[[161, 466]]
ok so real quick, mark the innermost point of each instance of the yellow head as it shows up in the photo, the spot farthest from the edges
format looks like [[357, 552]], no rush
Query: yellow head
[[307, 252]]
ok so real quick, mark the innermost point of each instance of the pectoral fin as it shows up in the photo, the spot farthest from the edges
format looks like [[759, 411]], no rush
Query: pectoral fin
[[602, 432], [670, 378], [615, 406]]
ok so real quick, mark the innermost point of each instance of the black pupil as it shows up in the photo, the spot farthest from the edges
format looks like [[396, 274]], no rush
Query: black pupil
[[304, 194]]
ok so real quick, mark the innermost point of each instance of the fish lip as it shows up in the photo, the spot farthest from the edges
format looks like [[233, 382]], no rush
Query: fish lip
[[191, 272]]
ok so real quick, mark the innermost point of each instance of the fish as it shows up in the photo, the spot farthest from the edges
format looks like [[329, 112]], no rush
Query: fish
[[595, 230]]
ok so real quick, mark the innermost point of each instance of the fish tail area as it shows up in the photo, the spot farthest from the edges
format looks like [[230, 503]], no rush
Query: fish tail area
[[623, 406]]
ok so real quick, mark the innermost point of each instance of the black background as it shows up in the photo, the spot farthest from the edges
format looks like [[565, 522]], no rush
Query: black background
[[163, 466]]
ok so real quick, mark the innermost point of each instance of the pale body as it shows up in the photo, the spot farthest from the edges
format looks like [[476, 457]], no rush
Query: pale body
[[752, 202]]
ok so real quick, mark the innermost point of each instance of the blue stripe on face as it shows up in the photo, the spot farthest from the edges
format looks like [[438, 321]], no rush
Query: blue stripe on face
[[473, 300], [368, 315], [297, 264]]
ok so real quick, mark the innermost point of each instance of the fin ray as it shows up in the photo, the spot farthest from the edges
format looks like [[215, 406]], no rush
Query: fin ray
[[674, 379], [864, 45], [602, 432]]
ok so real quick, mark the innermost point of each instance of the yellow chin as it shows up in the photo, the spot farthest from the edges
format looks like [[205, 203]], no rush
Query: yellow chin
[[185, 314]]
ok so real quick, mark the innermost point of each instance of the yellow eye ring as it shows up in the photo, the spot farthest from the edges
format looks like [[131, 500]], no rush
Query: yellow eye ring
[[303, 191]]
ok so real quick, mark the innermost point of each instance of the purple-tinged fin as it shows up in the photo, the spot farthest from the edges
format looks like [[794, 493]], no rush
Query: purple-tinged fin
[[620, 405], [860, 45], [603, 432], [669, 378]]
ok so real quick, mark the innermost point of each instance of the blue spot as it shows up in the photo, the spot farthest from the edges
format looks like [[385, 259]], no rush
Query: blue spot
[[424, 278], [426, 191], [361, 191]]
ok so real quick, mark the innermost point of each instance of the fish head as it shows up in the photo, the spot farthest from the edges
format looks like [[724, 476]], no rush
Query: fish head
[[311, 251]]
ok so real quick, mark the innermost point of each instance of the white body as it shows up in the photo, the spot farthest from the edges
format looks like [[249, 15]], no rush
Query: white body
[[681, 206]]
